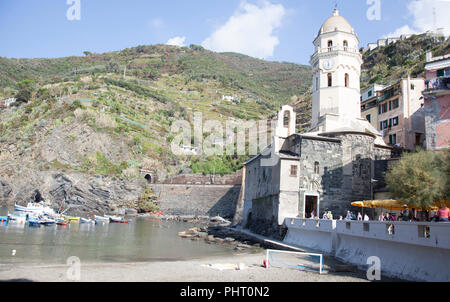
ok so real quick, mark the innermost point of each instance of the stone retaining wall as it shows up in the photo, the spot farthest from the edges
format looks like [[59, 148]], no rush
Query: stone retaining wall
[[201, 200]]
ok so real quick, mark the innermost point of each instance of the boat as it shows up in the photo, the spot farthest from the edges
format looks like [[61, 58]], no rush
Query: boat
[[4, 219], [19, 219], [62, 222], [34, 222], [47, 222], [101, 218], [34, 208], [73, 219], [88, 221], [117, 219]]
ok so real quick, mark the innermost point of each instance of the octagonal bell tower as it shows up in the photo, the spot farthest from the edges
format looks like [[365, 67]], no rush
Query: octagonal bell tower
[[336, 66]]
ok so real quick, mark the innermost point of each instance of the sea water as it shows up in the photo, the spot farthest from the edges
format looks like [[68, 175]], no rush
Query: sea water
[[142, 240]]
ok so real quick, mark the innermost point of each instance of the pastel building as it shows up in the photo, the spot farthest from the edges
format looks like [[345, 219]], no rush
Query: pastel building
[[401, 116], [369, 104], [437, 102]]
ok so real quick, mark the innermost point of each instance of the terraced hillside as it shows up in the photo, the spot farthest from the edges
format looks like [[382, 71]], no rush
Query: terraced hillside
[[87, 125]]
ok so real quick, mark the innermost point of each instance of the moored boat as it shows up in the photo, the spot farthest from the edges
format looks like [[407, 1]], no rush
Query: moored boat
[[62, 222], [4, 219], [88, 221], [73, 219], [117, 219], [34, 208], [47, 222], [16, 219], [34, 222], [101, 218]]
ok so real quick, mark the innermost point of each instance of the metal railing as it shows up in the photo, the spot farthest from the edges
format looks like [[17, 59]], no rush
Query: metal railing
[[441, 83]]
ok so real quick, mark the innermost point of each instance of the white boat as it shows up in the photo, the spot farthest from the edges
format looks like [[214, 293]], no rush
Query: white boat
[[116, 219], [34, 208], [19, 219], [88, 221], [101, 218]]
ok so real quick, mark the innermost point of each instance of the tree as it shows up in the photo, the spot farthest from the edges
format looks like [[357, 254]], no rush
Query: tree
[[112, 67], [87, 53], [420, 179], [44, 94], [25, 90]]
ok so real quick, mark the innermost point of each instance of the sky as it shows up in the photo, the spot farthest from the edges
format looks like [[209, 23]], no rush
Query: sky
[[275, 30]]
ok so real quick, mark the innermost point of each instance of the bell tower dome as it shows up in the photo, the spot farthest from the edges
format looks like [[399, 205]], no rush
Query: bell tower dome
[[336, 66]]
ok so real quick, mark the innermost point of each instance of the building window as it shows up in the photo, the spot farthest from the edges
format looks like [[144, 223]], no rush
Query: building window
[[395, 104], [381, 125], [330, 80], [368, 118], [440, 73], [294, 171], [347, 80], [393, 139], [316, 168], [330, 45], [317, 83], [390, 105], [345, 45], [412, 86], [383, 108], [395, 121], [369, 93], [385, 124]]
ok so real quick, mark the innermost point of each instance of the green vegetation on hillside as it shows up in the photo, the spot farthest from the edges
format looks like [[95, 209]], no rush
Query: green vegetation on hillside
[[131, 117], [386, 64]]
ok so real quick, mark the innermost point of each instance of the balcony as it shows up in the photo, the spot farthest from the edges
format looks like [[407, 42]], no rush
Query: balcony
[[335, 49], [436, 84]]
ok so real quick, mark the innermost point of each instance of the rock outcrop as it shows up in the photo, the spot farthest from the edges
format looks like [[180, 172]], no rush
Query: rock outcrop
[[74, 192]]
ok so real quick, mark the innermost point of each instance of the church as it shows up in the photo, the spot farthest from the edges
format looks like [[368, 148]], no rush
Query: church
[[337, 161]]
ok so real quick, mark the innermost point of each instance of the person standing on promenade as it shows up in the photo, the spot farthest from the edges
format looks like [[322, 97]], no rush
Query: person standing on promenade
[[443, 214], [348, 216], [406, 214], [360, 218]]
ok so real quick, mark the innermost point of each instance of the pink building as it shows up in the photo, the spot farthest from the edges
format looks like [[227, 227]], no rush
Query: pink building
[[437, 102]]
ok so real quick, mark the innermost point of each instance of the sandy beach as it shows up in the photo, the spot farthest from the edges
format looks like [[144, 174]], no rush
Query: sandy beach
[[179, 271]]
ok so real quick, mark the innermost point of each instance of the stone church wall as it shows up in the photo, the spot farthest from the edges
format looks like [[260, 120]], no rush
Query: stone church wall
[[328, 182]]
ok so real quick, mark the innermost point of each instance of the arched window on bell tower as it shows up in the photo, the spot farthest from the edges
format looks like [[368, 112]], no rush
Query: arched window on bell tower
[[347, 80], [330, 45], [345, 45], [330, 80]]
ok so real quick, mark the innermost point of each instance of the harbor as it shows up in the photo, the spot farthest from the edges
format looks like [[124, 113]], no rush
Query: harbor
[[139, 240]]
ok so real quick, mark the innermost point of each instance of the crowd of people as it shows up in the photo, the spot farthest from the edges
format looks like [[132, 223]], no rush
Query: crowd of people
[[442, 215]]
